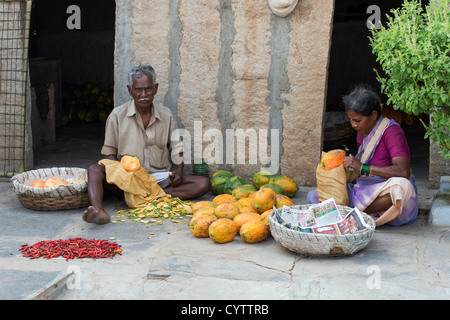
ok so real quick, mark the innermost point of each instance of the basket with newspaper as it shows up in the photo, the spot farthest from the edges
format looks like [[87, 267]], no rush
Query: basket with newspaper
[[323, 229]]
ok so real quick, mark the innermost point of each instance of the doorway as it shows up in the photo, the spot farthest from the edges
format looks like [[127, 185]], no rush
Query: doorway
[[352, 62], [71, 55]]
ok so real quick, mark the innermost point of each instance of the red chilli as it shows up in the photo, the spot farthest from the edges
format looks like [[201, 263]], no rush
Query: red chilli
[[71, 248]]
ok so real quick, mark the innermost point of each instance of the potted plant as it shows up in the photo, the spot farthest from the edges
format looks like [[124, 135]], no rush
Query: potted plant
[[414, 52]]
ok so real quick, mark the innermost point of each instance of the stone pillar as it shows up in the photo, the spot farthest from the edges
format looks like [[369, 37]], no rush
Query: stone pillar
[[242, 81]]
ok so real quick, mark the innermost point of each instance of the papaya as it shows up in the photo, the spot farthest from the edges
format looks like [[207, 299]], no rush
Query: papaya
[[232, 183], [266, 213], [218, 181], [252, 195], [199, 225], [260, 178], [334, 161], [327, 155], [79, 181], [265, 217], [209, 211], [222, 198], [274, 187], [242, 218], [130, 163], [226, 210], [202, 214], [282, 200], [221, 171], [264, 199], [54, 182], [202, 205], [254, 231], [245, 202], [222, 230], [247, 209], [243, 191], [288, 185], [38, 183]]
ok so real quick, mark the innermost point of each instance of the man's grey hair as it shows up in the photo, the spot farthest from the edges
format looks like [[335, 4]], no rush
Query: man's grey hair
[[138, 71]]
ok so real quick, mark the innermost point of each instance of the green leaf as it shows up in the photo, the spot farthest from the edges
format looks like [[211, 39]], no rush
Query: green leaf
[[413, 50]]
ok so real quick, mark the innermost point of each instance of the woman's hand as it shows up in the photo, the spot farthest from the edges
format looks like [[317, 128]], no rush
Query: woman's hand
[[351, 162], [400, 167]]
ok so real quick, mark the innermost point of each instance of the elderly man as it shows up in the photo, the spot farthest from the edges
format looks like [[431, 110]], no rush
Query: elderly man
[[143, 129]]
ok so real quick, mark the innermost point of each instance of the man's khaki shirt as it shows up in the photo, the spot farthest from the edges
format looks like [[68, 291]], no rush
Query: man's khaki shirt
[[125, 134]]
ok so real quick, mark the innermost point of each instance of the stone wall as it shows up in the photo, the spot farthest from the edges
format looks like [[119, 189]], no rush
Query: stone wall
[[15, 107], [232, 71], [438, 166]]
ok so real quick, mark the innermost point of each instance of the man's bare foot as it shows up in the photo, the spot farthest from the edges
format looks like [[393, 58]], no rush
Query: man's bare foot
[[93, 215]]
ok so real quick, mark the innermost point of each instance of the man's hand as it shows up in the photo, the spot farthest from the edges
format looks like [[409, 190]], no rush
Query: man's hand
[[176, 178]]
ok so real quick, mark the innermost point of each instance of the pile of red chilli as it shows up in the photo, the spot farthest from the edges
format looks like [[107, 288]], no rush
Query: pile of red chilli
[[71, 248]]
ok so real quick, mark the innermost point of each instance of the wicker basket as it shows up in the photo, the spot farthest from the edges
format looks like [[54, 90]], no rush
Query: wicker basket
[[311, 244], [62, 197]]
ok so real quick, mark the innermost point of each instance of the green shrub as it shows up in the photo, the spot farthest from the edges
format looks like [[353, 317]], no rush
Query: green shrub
[[414, 52]]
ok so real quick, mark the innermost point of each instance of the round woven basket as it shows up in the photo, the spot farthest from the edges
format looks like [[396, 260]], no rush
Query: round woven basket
[[62, 197], [311, 244]]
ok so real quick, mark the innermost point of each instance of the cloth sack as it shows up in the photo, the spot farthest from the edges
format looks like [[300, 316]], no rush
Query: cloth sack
[[139, 187], [332, 178], [333, 184], [282, 8]]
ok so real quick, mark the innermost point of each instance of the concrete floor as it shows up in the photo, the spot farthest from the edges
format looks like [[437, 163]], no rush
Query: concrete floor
[[410, 262]]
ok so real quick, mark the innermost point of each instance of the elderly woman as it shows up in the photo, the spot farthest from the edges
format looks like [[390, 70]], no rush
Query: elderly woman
[[385, 187]]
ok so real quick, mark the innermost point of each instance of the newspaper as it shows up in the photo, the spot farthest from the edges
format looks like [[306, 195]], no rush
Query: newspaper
[[323, 214], [322, 218], [352, 222], [298, 221], [283, 216], [292, 218]]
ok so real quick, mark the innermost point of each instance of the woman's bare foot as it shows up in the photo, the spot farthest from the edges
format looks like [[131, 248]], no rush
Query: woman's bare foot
[[93, 215], [389, 215]]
